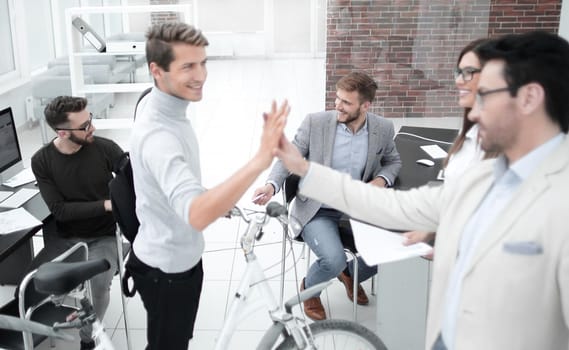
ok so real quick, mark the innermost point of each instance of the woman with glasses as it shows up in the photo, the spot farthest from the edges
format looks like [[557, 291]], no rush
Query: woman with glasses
[[465, 150]]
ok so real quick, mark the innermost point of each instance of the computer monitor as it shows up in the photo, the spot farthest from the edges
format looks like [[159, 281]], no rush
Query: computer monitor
[[10, 154]]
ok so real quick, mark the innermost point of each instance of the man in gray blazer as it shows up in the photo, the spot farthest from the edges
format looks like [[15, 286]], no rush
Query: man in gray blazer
[[353, 141], [500, 277]]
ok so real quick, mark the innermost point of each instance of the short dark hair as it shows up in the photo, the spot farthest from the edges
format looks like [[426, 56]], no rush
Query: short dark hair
[[160, 37], [535, 57], [360, 82], [56, 112]]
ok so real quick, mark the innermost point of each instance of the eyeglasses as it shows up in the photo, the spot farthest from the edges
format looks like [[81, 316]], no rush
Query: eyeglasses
[[467, 73], [480, 95], [85, 127]]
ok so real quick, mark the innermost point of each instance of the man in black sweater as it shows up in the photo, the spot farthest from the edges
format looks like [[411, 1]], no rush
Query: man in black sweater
[[73, 172]]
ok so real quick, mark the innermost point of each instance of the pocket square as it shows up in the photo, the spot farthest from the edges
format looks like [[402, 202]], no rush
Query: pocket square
[[523, 247]]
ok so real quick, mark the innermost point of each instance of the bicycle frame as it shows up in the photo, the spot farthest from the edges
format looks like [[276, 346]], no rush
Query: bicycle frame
[[254, 277]]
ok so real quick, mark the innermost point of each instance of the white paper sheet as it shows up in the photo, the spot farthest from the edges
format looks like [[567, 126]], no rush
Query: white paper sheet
[[435, 151], [16, 219], [19, 198], [23, 177], [378, 246], [5, 194]]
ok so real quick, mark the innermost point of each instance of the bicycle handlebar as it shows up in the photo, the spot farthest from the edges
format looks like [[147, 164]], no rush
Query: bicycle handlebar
[[274, 210], [255, 224]]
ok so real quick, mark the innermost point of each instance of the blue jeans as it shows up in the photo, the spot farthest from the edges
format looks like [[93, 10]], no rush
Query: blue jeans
[[323, 237]]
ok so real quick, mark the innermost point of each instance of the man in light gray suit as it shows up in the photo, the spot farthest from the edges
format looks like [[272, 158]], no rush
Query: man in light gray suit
[[353, 141], [500, 277]]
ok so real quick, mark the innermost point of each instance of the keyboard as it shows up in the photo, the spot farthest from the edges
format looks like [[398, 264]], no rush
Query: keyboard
[[19, 198]]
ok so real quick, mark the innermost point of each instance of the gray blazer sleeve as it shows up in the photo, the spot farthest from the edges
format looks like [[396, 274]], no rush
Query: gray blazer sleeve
[[383, 159], [391, 161]]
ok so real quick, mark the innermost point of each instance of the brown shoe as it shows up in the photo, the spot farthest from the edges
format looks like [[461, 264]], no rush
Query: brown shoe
[[349, 284], [313, 307]]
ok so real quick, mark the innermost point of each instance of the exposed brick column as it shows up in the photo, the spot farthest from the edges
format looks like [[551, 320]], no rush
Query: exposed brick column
[[410, 46]]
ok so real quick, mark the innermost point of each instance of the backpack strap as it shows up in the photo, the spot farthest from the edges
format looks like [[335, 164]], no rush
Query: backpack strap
[[126, 289], [142, 95]]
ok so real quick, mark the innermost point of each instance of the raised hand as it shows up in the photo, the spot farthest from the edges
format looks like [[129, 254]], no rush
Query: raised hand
[[273, 127]]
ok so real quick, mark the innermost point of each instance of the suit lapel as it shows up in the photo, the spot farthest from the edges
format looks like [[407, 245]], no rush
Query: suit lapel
[[328, 138], [373, 142], [532, 188], [463, 208]]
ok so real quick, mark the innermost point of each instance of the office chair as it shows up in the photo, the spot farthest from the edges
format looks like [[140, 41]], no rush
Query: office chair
[[289, 190], [33, 305]]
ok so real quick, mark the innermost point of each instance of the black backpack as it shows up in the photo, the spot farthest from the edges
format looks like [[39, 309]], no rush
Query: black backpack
[[123, 199]]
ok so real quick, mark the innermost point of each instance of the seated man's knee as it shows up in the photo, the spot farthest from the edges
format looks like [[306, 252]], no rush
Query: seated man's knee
[[333, 263], [101, 283]]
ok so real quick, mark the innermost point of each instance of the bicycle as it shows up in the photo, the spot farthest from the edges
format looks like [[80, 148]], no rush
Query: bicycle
[[62, 280], [296, 332]]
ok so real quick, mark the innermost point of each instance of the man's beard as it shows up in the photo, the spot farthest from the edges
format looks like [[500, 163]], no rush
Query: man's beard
[[82, 142], [351, 117]]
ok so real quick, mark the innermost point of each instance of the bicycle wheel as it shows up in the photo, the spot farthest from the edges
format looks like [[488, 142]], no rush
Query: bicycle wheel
[[339, 334]]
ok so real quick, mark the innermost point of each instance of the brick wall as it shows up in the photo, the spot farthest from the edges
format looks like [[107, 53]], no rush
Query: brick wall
[[410, 46]]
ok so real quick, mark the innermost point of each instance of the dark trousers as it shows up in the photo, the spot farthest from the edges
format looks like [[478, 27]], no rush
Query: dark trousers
[[171, 302]]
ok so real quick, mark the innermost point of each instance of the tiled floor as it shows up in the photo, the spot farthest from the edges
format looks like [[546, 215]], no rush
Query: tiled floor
[[228, 123]]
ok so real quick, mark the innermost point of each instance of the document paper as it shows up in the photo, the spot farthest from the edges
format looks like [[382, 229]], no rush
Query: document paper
[[16, 220], [23, 177], [378, 246]]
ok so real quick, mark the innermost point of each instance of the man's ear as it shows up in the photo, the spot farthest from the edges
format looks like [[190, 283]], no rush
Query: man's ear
[[61, 133], [365, 105], [531, 98], [155, 70]]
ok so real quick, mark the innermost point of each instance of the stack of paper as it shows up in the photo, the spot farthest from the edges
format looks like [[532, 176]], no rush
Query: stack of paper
[[378, 246]]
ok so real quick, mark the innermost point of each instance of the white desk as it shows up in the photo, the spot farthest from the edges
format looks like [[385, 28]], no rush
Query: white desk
[[402, 296]]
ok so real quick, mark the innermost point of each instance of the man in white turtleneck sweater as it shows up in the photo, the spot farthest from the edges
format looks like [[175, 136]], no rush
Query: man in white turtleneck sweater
[[171, 204]]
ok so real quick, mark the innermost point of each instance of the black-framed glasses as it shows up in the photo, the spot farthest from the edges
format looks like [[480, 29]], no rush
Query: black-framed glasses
[[85, 127], [467, 73], [480, 94]]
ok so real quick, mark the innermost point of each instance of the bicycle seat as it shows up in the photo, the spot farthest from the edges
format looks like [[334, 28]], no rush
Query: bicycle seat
[[62, 277]]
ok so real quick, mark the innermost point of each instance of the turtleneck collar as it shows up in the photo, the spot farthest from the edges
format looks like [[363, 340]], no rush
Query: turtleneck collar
[[170, 106]]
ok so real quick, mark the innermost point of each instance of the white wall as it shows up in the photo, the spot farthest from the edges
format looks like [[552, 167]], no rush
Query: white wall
[[215, 13], [16, 98], [564, 21]]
